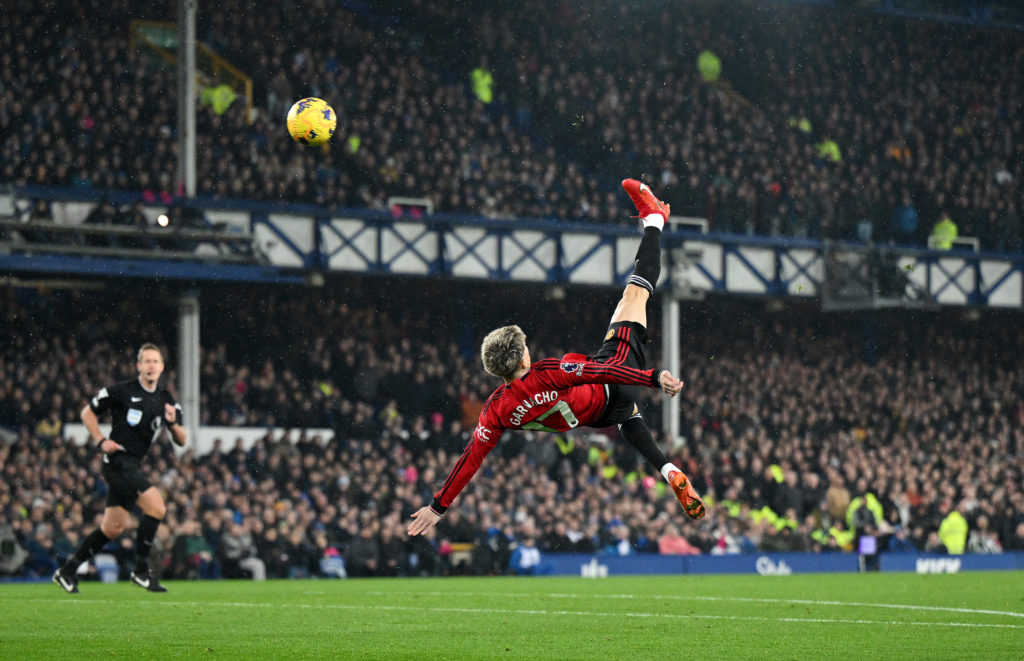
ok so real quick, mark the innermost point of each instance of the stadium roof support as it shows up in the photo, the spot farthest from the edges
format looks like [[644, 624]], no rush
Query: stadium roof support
[[188, 360], [187, 96], [671, 341]]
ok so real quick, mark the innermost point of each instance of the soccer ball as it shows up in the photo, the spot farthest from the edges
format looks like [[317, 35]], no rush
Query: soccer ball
[[311, 121]]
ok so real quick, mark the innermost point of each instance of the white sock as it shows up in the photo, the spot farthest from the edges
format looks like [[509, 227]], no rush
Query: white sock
[[668, 468], [654, 220]]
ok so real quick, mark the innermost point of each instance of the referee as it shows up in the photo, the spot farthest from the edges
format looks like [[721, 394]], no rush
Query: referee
[[140, 410]]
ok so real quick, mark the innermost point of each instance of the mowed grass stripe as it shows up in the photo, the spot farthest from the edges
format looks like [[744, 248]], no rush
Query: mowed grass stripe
[[536, 611], [695, 597], [565, 618]]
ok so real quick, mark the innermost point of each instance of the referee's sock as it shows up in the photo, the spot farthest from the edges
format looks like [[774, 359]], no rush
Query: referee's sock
[[144, 542], [92, 543], [648, 260], [637, 434]]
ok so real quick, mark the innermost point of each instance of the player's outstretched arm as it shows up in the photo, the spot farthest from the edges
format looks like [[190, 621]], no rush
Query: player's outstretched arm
[[423, 520], [569, 372]]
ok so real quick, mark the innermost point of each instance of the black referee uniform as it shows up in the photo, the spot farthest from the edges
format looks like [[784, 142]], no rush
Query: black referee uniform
[[137, 420]]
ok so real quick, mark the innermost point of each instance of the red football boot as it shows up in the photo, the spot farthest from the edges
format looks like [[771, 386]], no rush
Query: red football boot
[[644, 200]]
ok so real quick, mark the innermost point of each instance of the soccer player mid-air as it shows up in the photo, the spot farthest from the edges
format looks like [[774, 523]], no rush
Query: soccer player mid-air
[[140, 410], [597, 391]]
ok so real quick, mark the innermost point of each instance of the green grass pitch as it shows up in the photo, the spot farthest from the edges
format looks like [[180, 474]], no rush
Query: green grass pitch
[[978, 615]]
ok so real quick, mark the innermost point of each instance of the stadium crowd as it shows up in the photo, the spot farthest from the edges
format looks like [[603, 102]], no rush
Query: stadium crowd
[[822, 123], [805, 432]]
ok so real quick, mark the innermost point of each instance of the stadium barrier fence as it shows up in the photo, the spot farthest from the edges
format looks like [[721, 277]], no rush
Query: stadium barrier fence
[[771, 564]]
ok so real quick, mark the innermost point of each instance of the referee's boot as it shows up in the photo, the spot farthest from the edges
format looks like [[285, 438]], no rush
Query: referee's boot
[[66, 580], [148, 580]]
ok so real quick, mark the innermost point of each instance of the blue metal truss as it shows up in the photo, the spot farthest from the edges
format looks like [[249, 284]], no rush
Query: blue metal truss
[[72, 265], [951, 279], [375, 242], [986, 292], [508, 267], [470, 250], [433, 266], [348, 242]]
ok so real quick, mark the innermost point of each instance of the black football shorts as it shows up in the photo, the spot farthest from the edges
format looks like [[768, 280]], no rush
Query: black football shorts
[[125, 480], [623, 345]]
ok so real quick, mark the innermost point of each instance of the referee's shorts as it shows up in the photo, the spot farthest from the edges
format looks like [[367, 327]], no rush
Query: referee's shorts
[[623, 345], [125, 479]]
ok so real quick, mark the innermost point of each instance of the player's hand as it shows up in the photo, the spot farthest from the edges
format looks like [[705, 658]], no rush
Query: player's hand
[[170, 414], [110, 447], [670, 385], [423, 520]]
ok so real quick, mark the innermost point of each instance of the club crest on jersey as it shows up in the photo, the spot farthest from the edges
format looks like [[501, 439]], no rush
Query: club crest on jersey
[[134, 417], [608, 335], [571, 368]]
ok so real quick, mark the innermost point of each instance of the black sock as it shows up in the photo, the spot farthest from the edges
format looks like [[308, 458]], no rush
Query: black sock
[[144, 542], [648, 260], [93, 542], [637, 434]]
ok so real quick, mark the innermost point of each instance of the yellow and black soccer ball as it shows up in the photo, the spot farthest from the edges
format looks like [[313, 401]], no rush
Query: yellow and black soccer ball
[[311, 121]]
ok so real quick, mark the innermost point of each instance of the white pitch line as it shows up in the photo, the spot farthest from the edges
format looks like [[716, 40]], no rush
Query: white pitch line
[[802, 602], [533, 611]]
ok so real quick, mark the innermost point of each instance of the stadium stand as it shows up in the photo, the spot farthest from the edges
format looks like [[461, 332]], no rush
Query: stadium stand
[[802, 429], [920, 121], [922, 413]]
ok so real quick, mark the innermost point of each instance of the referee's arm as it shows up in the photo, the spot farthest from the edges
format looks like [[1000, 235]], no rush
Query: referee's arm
[[178, 433], [92, 423]]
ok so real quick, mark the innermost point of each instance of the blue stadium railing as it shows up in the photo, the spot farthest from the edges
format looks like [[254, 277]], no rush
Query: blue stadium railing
[[291, 242]]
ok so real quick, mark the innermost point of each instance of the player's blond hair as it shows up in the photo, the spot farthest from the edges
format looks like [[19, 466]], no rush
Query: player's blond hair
[[502, 351], [149, 346]]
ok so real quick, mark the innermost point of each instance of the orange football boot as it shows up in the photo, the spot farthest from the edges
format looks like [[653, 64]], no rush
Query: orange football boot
[[686, 494]]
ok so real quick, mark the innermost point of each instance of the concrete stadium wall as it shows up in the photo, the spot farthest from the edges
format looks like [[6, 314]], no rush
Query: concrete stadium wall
[[202, 445]]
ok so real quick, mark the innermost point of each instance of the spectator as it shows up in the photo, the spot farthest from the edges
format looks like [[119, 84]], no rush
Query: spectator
[[837, 497], [192, 555], [12, 555], [526, 558], [934, 418], [49, 428], [363, 557], [953, 529], [672, 542], [983, 539], [1016, 542], [787, 496], [392, 549], [38, 543], [898, 542], [239, 555], [904, 221], [332, 564], [529, 151], [864, 510], [301, 558], [273, 554], [944, 232]]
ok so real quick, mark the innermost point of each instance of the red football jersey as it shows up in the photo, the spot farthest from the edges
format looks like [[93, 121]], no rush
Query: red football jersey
[[553, 395]]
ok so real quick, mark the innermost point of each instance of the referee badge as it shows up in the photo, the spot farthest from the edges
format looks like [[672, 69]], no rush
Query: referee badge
[[134, 417]]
